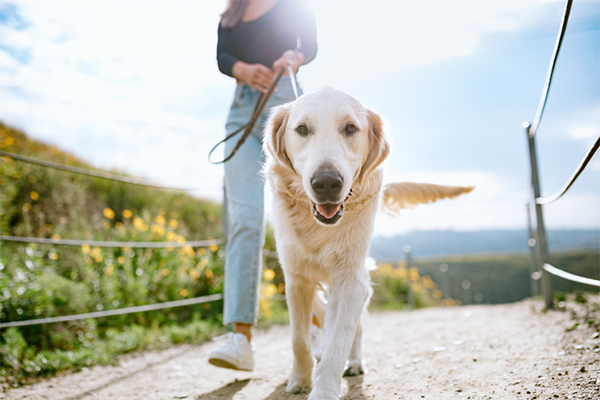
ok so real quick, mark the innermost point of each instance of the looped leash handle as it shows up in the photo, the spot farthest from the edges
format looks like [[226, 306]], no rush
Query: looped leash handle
[[261, 102]]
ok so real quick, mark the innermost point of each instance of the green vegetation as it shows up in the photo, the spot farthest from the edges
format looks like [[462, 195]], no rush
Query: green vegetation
[[42, 280], [504, 278], [399, 287]]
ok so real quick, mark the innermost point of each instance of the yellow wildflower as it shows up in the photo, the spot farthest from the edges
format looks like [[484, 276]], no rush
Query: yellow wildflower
[[127, 214], [34, 195], [85, 248], [139, 224], [160, 220], [183, 292], [171, 236], [109, 269], [268, 274], [158, 229], [269, 290], [108, 213], [173, 223], [194, 274], [414, 274]]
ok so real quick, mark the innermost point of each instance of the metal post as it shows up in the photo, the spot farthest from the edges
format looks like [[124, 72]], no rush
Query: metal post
[[446, 281], [534, 266], [540, 229], [409, 289]]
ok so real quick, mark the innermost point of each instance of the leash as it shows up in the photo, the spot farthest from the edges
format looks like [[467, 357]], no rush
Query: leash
[[261, 102]]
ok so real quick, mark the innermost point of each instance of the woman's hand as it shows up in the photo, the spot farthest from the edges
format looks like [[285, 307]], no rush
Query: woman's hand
[[292, 57], [257, 76]]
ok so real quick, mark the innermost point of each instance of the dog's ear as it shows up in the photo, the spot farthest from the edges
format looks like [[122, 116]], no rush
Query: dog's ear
[[379, 147], [276, 125]]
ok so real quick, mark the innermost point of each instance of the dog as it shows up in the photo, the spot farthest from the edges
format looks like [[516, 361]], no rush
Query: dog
[[324, 152]]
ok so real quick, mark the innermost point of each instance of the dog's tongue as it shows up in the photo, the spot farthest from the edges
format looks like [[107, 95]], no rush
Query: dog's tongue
[[329, 210]]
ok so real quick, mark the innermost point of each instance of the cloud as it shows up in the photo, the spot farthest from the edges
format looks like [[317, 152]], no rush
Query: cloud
[[585, 125], [359, 38], [134, 85]]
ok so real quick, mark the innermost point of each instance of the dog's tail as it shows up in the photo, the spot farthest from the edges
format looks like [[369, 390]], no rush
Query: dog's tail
[[399, 195]]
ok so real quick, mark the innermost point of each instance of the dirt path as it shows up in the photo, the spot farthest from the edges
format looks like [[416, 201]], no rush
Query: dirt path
[[508, 351]]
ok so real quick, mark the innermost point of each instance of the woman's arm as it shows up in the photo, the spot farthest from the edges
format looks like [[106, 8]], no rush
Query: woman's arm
[[225, 57], [257, 76]]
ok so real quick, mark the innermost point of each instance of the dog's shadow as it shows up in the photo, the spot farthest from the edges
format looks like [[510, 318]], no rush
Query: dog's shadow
[[355, 388], [355, 391], [225, 392]]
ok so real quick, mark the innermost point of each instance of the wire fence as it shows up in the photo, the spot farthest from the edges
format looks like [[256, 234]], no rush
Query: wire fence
[[537, 240], [102, 243], [97, 174], [115, 244]]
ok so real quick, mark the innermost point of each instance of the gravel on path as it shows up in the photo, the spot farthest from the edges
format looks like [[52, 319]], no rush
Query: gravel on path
[[509, 351]]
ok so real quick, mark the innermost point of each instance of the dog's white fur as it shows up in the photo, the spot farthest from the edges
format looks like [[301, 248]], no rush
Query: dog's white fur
[[310, 251]]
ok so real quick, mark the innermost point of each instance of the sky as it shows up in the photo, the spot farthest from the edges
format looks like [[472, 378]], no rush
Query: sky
[[133, 86]]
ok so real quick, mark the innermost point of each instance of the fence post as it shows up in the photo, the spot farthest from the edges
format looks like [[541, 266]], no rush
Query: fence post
[[409, 289], [533, 264], [540, 229]]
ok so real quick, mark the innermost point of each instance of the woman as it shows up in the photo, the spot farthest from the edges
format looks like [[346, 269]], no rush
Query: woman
[[257, 38]]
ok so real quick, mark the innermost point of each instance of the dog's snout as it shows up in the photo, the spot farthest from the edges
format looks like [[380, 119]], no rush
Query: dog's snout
[[327, 185]]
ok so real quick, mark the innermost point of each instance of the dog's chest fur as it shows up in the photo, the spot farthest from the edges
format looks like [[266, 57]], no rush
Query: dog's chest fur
[[316, 246]]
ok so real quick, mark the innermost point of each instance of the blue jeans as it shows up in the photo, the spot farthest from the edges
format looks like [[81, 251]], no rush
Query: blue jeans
[[244, 204]]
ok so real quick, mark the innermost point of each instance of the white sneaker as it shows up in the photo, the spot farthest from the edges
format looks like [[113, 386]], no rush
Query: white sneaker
[[236, 354], [317, 336]]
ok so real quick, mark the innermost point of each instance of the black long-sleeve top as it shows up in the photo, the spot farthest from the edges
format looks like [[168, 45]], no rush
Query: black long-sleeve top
[[263, 40]]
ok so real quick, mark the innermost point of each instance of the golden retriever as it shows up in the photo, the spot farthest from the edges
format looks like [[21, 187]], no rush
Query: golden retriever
[[323, 153]]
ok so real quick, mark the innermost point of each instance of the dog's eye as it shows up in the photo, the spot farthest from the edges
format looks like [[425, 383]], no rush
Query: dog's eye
[[302, 130], [350, 129]]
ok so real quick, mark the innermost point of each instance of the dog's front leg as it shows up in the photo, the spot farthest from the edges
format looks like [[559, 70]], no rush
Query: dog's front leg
[[356, 364], [300, 294], [348, 296]]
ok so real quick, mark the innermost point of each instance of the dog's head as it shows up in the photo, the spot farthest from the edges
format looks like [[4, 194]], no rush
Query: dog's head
[[330, 141]]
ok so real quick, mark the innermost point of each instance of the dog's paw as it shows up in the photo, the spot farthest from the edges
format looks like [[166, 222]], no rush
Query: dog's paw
[[355, 367], [297, 387]]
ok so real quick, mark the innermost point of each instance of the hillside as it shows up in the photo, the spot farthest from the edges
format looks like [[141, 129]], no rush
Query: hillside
[[49, 280], [437, 243]]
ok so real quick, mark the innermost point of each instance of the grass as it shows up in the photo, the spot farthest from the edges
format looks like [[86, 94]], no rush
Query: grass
[[42, 280]]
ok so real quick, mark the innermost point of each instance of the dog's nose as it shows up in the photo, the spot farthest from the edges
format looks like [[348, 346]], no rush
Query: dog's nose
[[327, 185]]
